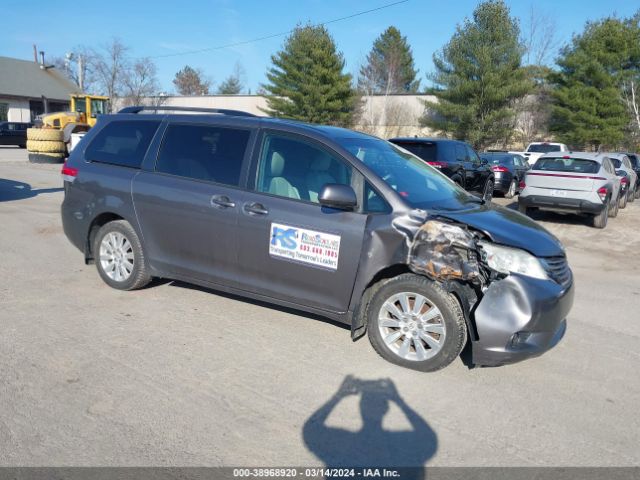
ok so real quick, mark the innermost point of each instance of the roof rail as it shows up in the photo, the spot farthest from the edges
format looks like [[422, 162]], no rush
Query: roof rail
[[221, 111]]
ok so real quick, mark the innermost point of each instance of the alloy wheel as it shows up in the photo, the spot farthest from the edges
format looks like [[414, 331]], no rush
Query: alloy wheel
[[411, 326], [116, 256]]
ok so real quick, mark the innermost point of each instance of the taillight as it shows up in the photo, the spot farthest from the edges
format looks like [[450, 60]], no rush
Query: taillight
[[69, 174], [437, 164], [602, 193], [521, 185], [624, 180], [499, 168]]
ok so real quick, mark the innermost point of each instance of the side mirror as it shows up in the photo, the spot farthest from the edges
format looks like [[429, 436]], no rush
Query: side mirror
[[336, 195]]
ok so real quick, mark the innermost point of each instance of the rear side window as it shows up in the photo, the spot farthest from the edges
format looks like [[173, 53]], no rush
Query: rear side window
[[427, 151], [122, 143], [575, 165], [202, 152], [543, 148]]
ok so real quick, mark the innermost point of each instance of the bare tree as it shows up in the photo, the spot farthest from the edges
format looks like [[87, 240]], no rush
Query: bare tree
[[539, 37], [79, 66], [631, 98], [111, 65], [192, 81], [140, 82]]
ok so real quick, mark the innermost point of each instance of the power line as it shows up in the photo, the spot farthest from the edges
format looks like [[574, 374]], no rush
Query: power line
[[267, 37]]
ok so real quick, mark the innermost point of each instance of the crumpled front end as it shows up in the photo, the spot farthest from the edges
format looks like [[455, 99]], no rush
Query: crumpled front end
[[510, 316]]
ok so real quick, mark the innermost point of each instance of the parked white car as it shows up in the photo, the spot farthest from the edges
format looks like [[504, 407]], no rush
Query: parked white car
[[576, 182], [622, 162], [536, 149]]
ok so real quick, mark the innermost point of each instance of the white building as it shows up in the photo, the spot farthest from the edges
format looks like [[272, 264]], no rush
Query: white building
[[382, 115], [28, 88]]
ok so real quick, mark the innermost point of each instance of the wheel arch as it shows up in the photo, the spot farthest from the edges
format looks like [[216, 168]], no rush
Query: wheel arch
[[99, 221], [358, 322]]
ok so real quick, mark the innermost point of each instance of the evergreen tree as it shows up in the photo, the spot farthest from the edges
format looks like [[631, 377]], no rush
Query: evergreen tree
[[588, 109], [233, 84], [306, 81], [478, 78], [389, 68]]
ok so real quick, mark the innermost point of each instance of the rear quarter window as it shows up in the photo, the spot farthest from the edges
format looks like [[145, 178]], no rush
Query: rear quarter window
[[427, 151], [122, 143], [571, 165]]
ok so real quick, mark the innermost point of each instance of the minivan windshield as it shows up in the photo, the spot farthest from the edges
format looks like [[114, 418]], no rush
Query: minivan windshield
[[421, 185]]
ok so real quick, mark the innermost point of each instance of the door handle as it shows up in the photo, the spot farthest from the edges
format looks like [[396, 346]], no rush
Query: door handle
[[255, 208], [222, 201]]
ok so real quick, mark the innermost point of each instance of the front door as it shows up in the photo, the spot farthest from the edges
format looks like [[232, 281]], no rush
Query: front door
[[188, 207], [291, 248]]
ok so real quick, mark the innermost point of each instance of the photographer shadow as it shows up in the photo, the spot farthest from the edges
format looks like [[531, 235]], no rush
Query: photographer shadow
[[371, 446]]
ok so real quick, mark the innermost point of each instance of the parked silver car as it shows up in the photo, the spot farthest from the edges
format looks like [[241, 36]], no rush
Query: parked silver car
[[576, 182], [622, 162]]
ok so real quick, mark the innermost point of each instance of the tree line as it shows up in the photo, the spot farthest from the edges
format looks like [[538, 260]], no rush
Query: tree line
[[492, 81], [110, 70]]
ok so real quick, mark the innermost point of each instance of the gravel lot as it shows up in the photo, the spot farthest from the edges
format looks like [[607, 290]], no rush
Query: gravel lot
[[178, 375]]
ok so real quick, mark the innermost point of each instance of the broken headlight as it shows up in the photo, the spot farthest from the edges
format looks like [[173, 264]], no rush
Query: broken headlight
[[508, 260]]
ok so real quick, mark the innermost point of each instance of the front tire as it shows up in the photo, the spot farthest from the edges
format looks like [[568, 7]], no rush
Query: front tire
[[119, 256], [414, 323]]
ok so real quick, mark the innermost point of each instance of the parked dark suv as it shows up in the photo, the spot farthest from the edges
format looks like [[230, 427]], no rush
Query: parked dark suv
[[456, 159], [14, 133], [318, 218]]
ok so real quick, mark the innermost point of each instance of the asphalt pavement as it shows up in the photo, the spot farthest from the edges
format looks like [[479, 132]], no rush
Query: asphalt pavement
[[182, 376]]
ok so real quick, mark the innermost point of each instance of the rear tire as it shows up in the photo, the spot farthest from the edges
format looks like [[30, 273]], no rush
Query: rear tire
[[414, 323], [613, 209], [512, 189], [631, 197], [623, 200], [600, 220], [119, 257], [637, 195]]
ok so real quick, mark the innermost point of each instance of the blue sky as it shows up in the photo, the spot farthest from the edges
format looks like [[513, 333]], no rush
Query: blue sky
[[155, 28]]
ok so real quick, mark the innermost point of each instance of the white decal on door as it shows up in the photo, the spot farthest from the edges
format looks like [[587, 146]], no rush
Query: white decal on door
[[306, 246]]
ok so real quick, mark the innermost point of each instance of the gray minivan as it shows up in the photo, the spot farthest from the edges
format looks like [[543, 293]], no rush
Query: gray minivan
[[321, 219]]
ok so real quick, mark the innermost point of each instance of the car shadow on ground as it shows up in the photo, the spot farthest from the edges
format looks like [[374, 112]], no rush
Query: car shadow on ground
[[372, 445], [259, 303], [11, 190]]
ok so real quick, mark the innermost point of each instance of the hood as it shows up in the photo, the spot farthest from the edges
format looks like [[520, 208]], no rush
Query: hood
[[507, 227]]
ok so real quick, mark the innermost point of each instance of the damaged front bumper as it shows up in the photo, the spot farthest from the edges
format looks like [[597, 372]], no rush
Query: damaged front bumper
[[519, 317]]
